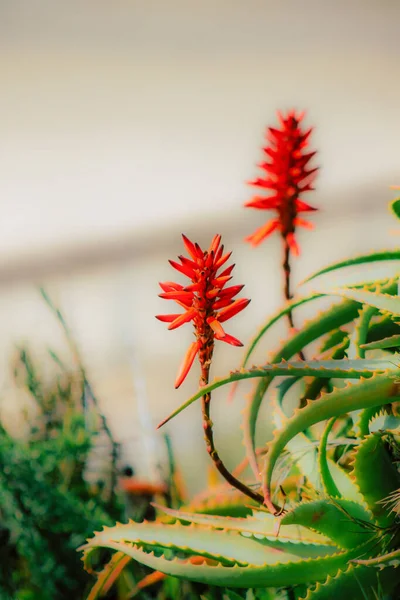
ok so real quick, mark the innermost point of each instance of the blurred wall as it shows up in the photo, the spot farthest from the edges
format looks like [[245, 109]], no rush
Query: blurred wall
[[124, 124]]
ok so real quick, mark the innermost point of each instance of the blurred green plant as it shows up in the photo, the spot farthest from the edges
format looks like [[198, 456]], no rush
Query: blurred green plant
[[47, 504]]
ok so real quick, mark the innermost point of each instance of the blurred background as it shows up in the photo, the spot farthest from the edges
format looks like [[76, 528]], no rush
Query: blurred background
[[124, 124]]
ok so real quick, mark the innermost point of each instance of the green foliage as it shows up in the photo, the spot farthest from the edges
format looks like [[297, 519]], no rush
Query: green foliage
[[330, 523], [47, 506]]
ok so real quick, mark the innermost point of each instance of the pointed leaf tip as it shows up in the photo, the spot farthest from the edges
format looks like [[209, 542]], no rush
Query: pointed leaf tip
[[187, 363]]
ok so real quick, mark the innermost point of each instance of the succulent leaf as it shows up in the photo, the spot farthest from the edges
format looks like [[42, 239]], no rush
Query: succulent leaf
[[107, 577], [365, 259], [355, 583], [384, 302], [282, 570], [375, 476], [390, 342], [360, 332], [378, 390], [329, 485], [343, 521], [340, 369], [333, 318], [262, 526]]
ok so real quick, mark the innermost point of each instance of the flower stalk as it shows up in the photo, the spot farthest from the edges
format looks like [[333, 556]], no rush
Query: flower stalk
[[207, 303], [213, 452]]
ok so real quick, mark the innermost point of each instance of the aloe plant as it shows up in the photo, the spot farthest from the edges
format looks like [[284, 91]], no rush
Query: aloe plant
[[329, 523]]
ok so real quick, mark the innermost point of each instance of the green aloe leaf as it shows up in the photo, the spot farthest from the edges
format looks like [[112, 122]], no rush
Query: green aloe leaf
[[344, 369], [274, 319], [360, 332], [303, 452], [328, 482], [376, 391], [333, 318], [390, 342], [364, 419], [387, 255], [384, 302], [109, 575], [355, 583], [223, 501], [263, 526], [375, 476], [280, 570], [340, 520]]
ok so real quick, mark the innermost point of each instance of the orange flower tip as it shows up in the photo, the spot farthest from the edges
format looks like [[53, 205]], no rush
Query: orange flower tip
[[301, 115], [187, 363], [263, 232], [220, 281], [180, 295], [229, 292], [303, 206], [303, 223], [293, 245], [166, 318], [184, 268], [169, 286], [233, 309], [191, 248], [227, 271], [183, 318], [214, 243], [216, 327], [229, 339]]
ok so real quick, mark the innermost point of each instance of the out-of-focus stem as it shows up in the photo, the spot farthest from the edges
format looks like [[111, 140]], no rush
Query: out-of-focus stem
[[287, 288], [212, 451]]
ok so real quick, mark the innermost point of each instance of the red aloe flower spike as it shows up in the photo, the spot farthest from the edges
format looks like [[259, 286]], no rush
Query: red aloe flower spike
[[287, 176], [206, 301]]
